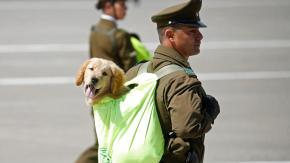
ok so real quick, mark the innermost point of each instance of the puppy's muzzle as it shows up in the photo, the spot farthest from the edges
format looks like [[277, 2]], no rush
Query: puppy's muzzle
[[91, 89], [94, 80]]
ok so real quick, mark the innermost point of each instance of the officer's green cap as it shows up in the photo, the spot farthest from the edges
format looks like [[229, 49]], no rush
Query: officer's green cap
[[185, 13]]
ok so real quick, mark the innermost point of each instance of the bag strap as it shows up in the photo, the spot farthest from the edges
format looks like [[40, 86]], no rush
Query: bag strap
[[163, 71], [143, 68]]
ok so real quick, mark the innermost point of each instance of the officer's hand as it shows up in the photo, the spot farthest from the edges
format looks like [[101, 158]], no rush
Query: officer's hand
[[212, 106], [178, 148]]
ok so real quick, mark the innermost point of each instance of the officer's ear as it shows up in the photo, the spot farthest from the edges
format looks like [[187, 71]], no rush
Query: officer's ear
[[169, 33]]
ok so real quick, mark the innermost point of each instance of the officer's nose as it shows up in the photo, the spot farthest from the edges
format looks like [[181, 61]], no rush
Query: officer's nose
[[94, 80], [199, 35]]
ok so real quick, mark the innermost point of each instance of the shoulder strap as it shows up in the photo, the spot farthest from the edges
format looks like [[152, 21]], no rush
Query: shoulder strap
[[168, 70], [109, 33], [163, 71], [143, 68]]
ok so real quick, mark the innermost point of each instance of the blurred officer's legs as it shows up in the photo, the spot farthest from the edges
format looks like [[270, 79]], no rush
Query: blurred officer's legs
[[89, 156]]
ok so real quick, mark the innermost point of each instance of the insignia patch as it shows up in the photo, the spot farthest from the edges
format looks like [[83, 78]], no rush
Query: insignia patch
[[104, 156], [189, 71]]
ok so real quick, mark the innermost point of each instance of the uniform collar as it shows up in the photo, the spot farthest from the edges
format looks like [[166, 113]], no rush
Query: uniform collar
[[107, 23], [171, 55]]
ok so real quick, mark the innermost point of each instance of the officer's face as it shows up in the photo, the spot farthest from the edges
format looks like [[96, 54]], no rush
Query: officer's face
[[120, 9], [187, 40]]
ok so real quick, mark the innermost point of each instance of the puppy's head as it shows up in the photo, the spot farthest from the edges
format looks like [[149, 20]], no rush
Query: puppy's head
[[100, 78]]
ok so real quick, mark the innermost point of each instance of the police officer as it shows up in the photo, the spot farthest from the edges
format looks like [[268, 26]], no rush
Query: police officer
[[185, 111], [107, 40]]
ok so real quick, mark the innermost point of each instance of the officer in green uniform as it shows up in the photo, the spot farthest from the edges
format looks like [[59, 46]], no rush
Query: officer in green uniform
[[107, 40], [185, 111]]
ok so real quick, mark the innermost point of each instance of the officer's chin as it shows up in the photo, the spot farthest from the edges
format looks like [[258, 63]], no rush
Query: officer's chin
[[196, 51]]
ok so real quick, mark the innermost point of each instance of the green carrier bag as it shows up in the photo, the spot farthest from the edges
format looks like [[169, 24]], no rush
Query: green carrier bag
[[128, 128], [142, 54]]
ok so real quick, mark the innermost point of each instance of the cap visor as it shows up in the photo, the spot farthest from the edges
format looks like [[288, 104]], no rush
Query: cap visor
[[195, 24], [201, 24]]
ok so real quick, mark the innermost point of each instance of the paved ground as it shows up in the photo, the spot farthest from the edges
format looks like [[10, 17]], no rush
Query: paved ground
[[244, 62]]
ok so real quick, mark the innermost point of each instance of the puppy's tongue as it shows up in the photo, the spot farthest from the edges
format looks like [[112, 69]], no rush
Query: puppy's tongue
[[89, 92]]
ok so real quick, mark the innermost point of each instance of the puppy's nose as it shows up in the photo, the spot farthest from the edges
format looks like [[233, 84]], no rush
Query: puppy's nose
[[94, 80]]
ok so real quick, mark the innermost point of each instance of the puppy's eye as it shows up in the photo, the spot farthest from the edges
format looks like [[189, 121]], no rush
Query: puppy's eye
[[105, 74], [91, 68]]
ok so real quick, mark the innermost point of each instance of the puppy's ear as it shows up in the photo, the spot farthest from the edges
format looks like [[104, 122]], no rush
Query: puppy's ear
[[81, 73], [118, 80]]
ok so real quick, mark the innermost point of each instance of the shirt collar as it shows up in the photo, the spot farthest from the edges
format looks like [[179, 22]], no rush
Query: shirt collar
[[108, 17]]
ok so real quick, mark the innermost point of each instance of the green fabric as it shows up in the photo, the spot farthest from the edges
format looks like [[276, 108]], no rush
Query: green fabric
[[142, 54], [128, 128]]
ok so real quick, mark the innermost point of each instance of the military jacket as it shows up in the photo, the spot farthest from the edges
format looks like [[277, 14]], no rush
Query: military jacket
[[109, 42], [179, 102]]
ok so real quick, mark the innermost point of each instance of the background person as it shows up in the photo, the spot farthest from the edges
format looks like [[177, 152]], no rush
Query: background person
[[109, 42]]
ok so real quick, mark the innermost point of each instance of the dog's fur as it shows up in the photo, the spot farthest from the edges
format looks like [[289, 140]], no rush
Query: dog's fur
[[100, 78]]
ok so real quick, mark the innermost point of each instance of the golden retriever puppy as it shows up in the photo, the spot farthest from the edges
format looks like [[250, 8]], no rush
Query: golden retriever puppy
[[100, 78]]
